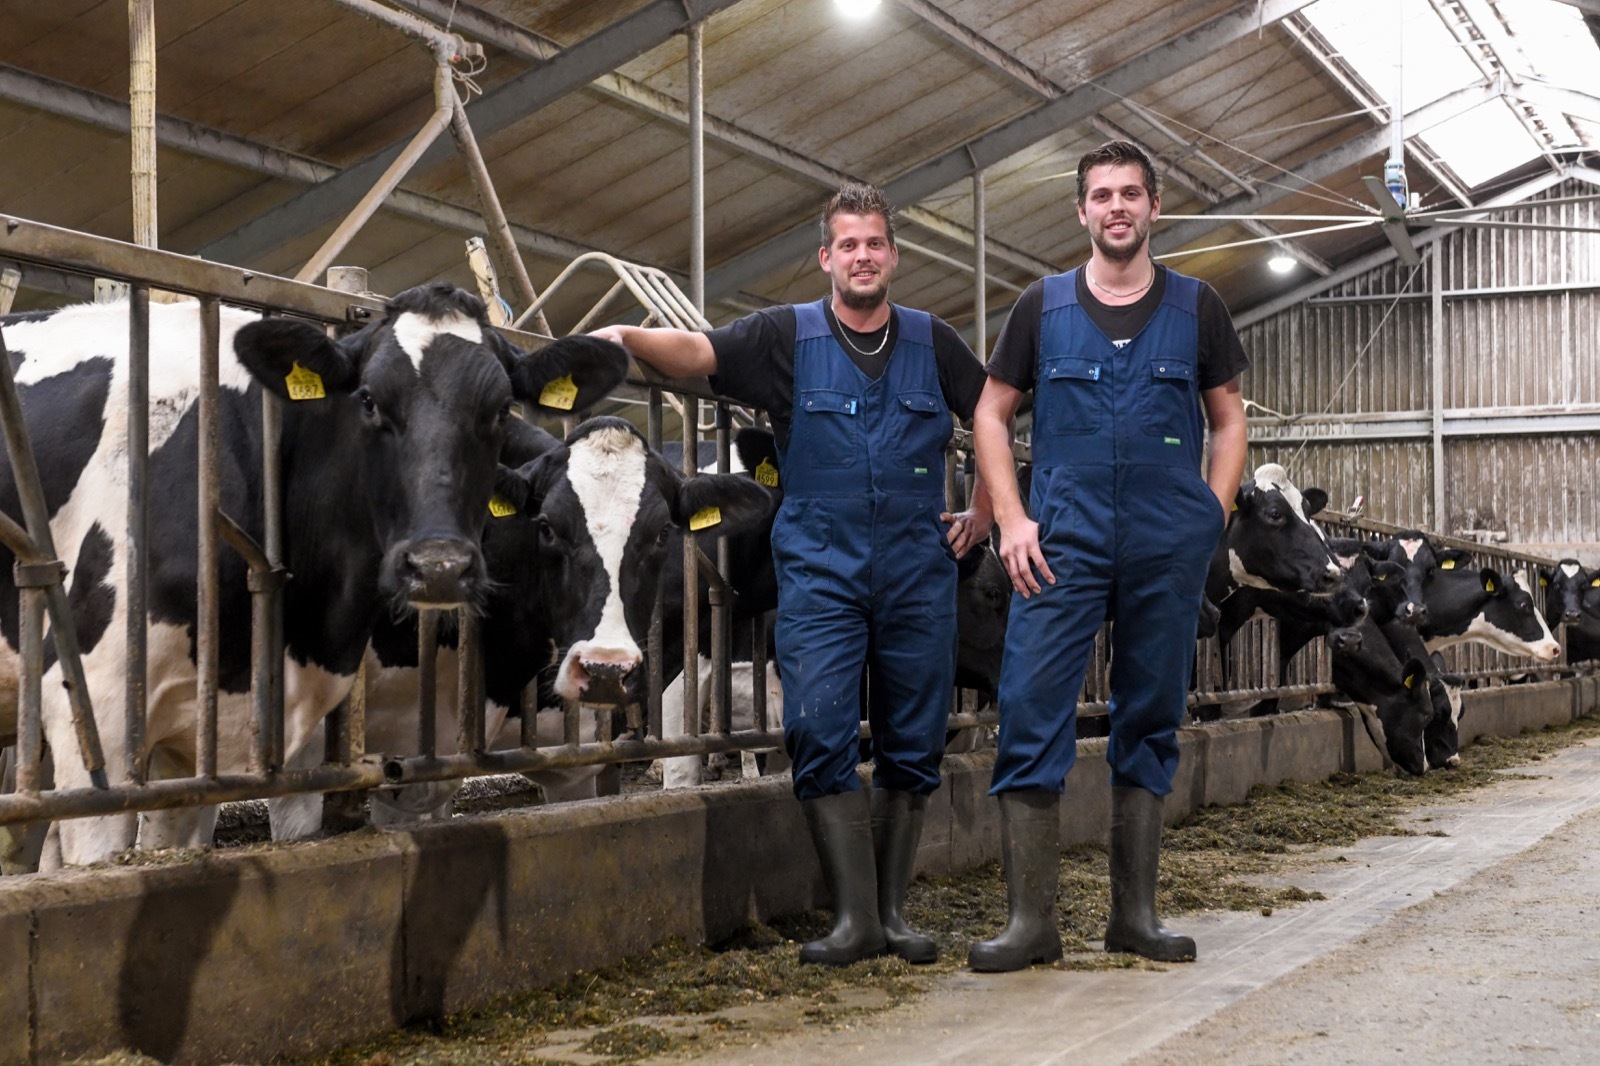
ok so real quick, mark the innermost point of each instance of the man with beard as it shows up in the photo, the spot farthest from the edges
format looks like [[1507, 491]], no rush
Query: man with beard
[[860, 393], [1123, 358]]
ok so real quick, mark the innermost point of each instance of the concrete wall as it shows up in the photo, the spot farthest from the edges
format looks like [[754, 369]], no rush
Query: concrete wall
[[248, 954]]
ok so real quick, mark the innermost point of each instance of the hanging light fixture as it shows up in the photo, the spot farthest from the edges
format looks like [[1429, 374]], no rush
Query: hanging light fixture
[[1281, 262], [856, 9]]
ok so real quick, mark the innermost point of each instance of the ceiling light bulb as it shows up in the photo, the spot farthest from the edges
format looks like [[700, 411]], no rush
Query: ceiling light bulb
[[856, 9], [1280, 263]]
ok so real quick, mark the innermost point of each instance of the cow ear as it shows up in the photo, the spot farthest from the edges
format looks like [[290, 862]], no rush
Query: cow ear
[[968, 564], [1315, 500], [1415, 677], [567, 375], [758, 454], [1492, 582], [510, 492], [1546, 575], [721, 503], [525, 442], [297, 360], [1245, 496], [1378, 549]]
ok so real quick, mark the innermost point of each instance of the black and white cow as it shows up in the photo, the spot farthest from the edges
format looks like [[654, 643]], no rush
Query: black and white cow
[[388, 462], [1466, 604], [1566, 585], [575, 556], [1270, 541]]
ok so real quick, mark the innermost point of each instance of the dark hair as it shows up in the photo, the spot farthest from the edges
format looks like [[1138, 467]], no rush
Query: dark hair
[[856, 199], [1116, 154]]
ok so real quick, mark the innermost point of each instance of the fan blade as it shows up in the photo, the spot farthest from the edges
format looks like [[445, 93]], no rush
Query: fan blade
[[1489, 223], [1394, 222], [1487, 209]]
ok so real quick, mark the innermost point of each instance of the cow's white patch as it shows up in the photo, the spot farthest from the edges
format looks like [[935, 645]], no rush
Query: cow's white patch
[[607, 472], [414, 332], [1271, 475], [1243, 576], [1570, 569], [1411, 546]]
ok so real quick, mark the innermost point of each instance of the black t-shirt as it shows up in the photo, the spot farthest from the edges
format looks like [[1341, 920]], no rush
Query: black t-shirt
[[1015, 359], [755, 361]]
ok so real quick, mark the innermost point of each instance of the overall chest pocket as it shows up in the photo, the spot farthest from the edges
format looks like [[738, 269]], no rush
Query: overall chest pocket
[[922, 428], [827, 427], [1070, 397], [1171, 399]]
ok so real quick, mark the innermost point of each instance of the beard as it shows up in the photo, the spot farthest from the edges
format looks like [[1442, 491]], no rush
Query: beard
[[865, 301], [1122, 254]]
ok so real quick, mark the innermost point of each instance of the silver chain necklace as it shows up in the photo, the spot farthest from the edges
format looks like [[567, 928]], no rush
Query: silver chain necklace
[[1121, 295], [845, 333]]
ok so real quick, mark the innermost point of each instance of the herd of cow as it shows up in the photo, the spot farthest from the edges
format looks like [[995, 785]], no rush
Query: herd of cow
[[407, 484]]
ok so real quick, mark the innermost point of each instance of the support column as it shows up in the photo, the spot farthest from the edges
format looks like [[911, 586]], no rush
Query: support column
[[980, 269], [697, 167], [1436, 389], [142, 121]]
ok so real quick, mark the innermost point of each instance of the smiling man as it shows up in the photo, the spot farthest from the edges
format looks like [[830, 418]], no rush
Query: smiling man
[[860, 393], [1131, 365]]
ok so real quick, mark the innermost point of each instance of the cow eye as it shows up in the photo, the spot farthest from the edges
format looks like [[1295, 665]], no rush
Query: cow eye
[[663, 536], [547, 533], [505, 413], [369, 406]]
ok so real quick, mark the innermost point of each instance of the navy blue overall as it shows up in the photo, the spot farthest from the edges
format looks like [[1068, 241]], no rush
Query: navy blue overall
[[864, 571], [1127, 525]]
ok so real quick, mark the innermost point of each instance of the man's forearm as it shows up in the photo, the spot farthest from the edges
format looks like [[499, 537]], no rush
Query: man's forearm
[[1229, 448], [677, 353], [996, 478]]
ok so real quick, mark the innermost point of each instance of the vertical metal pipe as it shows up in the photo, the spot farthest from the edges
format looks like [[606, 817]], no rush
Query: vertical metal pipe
[[344, 734], [697, 167], [980, 269], [758, 671], [30, 746], [529, 737], [691, 582], [142, 118], [136, 546], [654, 650], [427, 679], [469, 694], [721, 651], [1437, 389], [209, 543]]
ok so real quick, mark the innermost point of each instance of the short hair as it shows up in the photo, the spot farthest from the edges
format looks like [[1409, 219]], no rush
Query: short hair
[[854, 198], [1116, 154]]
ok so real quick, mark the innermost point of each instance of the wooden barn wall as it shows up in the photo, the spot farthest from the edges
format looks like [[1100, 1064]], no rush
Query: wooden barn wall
[[1370, 360]]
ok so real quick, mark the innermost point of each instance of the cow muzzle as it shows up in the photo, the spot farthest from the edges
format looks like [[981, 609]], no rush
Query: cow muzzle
[[1413, 613], [1572, 616], [597, 674], [438, 572]]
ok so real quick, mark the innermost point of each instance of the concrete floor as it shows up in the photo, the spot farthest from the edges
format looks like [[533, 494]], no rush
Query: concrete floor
[[1483, 945]]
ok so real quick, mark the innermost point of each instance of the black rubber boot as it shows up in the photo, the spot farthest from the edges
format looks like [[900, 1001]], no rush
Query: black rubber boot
[[1030, 841], [841, 827], [1135, 858], [896, 829]]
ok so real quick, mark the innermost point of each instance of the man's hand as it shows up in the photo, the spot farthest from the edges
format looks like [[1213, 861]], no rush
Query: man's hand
[[610, 333], [1021, 554], [967, 529]]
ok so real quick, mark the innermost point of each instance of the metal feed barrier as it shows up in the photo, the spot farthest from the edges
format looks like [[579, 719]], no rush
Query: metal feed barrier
[[39, 575]]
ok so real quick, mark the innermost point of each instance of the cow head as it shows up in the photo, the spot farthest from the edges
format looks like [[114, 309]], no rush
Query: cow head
[[1484, 606], [1405, 711], [604, 507], [420, 401], [1563, 586], [1414, 553], [1271, 542], [1441, 741]]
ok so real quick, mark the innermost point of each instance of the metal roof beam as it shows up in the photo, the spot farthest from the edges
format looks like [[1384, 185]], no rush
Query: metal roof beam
[[1028, 129], [1353, 151], [492, 29], [1588, 7], [1015, 68], [512, 102]]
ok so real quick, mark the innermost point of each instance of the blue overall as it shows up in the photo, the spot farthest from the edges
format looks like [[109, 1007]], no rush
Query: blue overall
[[865, 574], [1127, 525]]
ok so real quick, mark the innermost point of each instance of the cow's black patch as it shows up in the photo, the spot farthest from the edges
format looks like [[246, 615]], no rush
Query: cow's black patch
[[65, 416], [90, 599]]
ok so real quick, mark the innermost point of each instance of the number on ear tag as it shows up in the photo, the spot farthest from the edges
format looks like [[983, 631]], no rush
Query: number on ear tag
[[705, 518], [560, 394], [501, 507], [304, 384], [1448, 564], [767, 474]]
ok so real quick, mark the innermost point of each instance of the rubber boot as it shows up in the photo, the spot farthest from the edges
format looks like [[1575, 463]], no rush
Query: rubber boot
[[1135, 857], [896, 830], [1030, 841], [841, 828]]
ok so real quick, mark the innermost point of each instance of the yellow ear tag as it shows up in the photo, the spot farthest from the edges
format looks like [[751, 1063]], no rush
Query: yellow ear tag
[[1448, 564], [1544, 583], [560, 394], [304, 384], [705, 518], [767, 474], [1595, 584], [501, 507], [1409, 679], [1380, 577], [1235, 507], [1488, 586]]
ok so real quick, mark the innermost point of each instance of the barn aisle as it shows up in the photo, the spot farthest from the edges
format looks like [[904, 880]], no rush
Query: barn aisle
[[1484, 941]]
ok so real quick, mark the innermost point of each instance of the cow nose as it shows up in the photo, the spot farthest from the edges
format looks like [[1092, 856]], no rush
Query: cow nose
[[436, 571], [1415, 613], [606, 676], [1571, 617], [1347, 641]]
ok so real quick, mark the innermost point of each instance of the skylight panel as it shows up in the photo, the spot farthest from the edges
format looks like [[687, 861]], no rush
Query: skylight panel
[[1364, 33], [1483, 143]]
